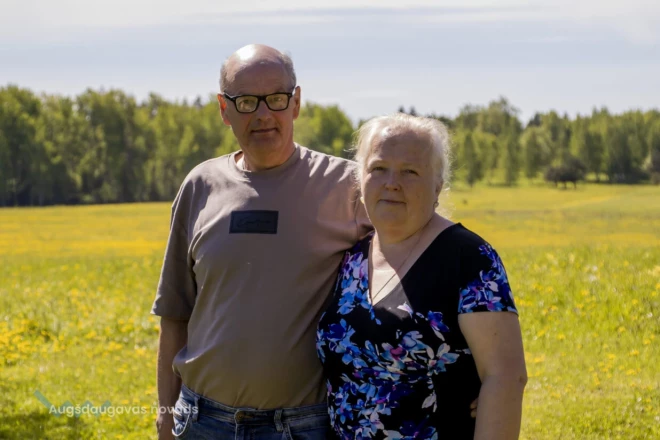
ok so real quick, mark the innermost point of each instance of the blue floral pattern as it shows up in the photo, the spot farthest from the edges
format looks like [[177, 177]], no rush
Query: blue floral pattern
[[377, 358], [491, 290], [354, 285]]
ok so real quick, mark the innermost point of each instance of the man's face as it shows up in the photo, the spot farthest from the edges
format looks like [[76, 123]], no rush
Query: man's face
[[264, 134]]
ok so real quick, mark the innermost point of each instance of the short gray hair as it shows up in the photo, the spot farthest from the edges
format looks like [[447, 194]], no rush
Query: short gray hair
[[284, 58], [401, 123]]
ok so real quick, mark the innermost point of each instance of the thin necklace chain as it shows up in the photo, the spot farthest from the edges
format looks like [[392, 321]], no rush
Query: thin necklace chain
[[372, 296]]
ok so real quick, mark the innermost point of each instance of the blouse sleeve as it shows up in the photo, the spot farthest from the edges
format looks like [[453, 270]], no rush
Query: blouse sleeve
[[485, 286]]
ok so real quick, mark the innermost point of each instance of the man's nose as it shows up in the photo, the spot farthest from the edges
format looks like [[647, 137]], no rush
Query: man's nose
[[262, 111]]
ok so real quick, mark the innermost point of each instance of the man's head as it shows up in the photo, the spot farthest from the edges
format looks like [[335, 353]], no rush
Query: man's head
[[265, 134]]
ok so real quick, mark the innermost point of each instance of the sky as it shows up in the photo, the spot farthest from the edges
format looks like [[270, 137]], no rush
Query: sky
[[369, 57]]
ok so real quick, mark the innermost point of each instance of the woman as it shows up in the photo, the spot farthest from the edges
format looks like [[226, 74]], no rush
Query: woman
[[405, 344]]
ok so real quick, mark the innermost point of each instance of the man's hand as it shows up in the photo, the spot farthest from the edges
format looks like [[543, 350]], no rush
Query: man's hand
[[473, 408], [164, 426], [173, 337]]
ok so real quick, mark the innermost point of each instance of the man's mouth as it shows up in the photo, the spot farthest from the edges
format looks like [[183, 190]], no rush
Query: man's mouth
[[264, 130]]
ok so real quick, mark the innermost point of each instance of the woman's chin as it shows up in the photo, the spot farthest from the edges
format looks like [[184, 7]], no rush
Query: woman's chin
[[388, 221]]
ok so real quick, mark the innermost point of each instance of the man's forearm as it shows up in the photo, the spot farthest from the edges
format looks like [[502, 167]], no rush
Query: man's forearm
[[500, 408], [173, 337]]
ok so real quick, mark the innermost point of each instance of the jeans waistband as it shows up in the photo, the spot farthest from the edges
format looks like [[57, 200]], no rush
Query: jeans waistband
[[231, 414]]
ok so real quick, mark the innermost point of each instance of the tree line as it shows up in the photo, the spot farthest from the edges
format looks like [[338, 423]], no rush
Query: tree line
[[491, 143], [106, 147]]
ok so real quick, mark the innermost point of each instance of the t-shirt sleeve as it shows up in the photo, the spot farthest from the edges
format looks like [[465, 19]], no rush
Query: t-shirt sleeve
[[177, 289], [485, 286]]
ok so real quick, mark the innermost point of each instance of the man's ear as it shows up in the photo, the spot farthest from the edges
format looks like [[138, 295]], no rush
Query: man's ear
[[296, 103], [223, 108]]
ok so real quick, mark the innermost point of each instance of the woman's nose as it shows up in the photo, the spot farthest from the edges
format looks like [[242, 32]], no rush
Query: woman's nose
[[392, 181]]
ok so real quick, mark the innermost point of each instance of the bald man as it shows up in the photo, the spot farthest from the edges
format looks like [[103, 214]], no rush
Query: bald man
[[255, 242]]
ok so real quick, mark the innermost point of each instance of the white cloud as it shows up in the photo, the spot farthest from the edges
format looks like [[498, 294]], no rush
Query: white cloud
[[40, 20], [111, 13], [638, 20]]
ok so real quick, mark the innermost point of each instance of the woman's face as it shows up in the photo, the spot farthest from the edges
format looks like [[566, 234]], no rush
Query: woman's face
[[398, 183]]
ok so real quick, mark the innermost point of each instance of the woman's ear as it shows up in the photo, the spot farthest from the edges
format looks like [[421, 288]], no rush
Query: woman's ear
[[438, 190]]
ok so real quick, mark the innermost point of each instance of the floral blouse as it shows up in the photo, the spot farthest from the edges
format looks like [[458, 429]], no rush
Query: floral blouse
[[401, 369]]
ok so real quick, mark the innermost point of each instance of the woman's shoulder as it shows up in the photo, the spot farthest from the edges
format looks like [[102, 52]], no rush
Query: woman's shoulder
[[457, 239], [469, 250]]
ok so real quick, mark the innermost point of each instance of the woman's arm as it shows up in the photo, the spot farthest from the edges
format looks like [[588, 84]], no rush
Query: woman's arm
[[495, 341]]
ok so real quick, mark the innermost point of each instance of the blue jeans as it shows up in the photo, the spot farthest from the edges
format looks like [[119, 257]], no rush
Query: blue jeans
[[196, 417]]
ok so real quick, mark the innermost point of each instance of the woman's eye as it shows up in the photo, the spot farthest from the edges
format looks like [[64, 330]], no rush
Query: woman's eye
[[377, 168], [410, 172]]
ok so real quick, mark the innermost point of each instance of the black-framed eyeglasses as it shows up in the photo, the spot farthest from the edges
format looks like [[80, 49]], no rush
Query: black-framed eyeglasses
[[249, 103]]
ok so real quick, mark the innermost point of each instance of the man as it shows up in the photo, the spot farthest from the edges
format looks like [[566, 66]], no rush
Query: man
[[255, 242]]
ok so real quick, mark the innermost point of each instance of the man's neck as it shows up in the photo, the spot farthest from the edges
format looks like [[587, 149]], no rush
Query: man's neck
[[248, 162]]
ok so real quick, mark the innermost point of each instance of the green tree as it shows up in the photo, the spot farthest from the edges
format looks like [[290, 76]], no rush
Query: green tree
[[500, 118], [19, 115], [471, 160], [560, 133], [587, 146], [618, 164], [536, 150], [5, 170], [490, 153], [511, 159], [652, 162], [325, 129]]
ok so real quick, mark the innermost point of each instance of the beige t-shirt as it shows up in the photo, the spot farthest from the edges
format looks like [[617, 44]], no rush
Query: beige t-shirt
[[251, 259]]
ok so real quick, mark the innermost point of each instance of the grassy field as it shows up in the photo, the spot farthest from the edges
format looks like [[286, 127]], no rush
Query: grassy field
[[76, 286]]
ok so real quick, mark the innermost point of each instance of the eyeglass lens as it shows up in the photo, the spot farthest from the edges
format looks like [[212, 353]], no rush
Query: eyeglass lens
[[276, 101]]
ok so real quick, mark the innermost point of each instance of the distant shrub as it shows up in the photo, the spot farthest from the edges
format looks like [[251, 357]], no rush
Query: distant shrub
[[573, 170]]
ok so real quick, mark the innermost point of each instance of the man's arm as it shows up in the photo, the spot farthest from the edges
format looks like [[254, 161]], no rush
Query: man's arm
[[173, 337]]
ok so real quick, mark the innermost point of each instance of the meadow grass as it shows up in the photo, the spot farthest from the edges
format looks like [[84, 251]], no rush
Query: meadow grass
[[77, 283]]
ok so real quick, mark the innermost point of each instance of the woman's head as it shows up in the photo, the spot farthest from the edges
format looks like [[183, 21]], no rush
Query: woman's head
[[403, 164]]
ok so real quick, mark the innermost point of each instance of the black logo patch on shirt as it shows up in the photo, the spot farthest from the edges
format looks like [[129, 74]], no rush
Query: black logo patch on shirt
[[253, 222]]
